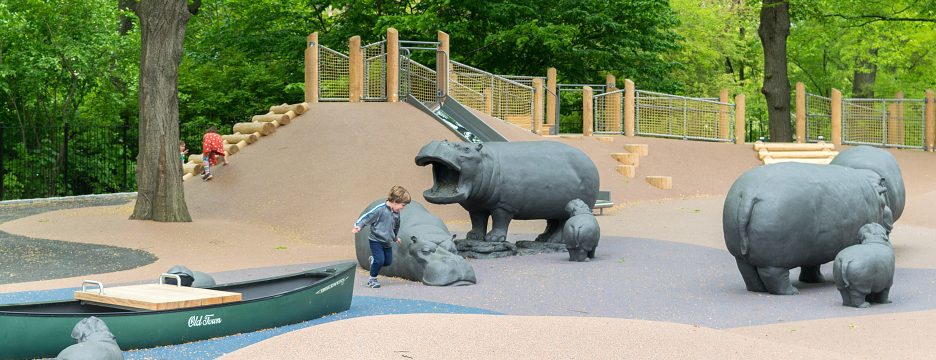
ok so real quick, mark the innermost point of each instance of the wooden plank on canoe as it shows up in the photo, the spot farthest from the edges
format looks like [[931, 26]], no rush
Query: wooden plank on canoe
[[157, 297]]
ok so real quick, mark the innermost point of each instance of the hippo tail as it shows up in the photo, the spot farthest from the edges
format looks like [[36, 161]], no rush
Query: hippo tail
[[744, 219]]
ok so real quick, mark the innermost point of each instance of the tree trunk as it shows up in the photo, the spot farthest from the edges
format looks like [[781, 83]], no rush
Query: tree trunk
[[774, 29], [160, 194], [864, 77]]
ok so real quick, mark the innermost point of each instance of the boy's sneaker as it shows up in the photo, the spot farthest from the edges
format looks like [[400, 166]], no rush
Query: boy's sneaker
[[372, 283], [206, 177]]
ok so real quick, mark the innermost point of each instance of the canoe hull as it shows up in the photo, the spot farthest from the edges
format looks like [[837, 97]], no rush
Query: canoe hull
[[45, 335]]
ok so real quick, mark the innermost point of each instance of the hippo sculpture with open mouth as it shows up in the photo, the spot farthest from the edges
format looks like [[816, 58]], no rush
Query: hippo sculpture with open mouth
[[510, 180], [426, 252]]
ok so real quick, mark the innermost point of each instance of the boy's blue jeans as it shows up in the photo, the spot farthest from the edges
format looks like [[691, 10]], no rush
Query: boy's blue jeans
[[383, 256]]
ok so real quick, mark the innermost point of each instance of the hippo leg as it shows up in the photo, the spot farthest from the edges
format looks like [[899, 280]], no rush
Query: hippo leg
[[591, 254], [751, 278], [880, 297], [811, 274], [553, 232], [479, 221], [853, 298], [777, 280], [577, 254], [500, 220]]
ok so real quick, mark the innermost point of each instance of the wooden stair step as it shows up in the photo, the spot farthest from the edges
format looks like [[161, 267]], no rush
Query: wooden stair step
[[662, 182], [639, 149], [627, 158]]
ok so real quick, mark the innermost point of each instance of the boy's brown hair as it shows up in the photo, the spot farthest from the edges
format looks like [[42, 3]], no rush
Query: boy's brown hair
[[399, 195]]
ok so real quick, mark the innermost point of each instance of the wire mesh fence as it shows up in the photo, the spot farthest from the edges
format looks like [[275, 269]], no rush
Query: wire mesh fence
[[51, 161], [818, 118], [608, 112], [666, 115], [375, 71], [512, 102], [418, 80], [468, 84], [333, 75], [883, 122]]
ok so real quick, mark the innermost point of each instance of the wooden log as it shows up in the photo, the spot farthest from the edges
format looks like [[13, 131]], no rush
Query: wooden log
[[238, 137], [269, 118], [264, 128], [187, 176], [823, 161], [192, 168], [195, 158], [284, 108], [275, 123], [230, 149], [291, 114], [241, 144], [640, 149], [793, 146], [627, 158], [796, 154]]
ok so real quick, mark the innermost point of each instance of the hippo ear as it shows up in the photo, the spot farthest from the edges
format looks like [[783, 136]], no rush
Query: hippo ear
[[478, 148], [413, 238], [453, 236]]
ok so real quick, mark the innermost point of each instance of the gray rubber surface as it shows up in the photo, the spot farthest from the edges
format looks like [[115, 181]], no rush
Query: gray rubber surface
[[28, 259]]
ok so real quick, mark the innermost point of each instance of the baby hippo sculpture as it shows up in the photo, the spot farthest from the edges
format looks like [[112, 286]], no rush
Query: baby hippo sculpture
[[581, 232], [426, 252], [504, 181], [865, 272], [781, 216], [94, 342]]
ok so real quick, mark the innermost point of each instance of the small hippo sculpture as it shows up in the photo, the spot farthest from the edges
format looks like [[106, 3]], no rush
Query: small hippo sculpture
[[190, 278], [781, 216], [864, 273], [426, 252], [504, 181], [580, 232], [94, 342]]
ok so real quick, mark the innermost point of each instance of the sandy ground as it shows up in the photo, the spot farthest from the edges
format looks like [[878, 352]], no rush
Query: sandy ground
[[291, 198]]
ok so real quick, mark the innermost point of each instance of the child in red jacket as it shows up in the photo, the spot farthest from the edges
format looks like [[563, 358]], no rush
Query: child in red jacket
[[212, 146]]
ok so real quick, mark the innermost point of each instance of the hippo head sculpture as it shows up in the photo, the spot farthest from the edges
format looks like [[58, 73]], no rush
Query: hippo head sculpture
[[426, 252], [190, 278], [450, 160], [884, 164], [93, 341]]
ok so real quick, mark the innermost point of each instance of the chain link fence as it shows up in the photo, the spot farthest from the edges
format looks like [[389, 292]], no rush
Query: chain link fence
[[883, 122], [665, 115], [608, 112], [468, 84], [417, 79], [512, 102], [569, 106], [375, 71], [333, 75]]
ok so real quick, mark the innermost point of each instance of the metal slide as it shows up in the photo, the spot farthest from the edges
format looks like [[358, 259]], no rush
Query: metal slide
[[459, 119]]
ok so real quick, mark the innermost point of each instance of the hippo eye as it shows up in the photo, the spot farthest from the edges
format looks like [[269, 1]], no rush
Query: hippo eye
[[427, 250]]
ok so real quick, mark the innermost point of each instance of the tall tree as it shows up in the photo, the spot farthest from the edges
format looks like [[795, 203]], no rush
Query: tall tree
[[160, 195], [774, 30]]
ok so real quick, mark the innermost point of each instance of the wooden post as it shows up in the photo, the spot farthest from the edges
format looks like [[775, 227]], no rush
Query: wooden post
[[393, 65], [930, 120], [551, 98], [894, 120], [800, 112], [836, 109], [442, 64], [587, 113], [312, 68], [739, 121], [355, 70], [488, 101], [537, 105], [901, 135], [612, 107], [724, 126], [629, 107]]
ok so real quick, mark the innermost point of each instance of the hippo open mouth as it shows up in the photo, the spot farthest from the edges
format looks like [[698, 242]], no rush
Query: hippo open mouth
[[445, 176]]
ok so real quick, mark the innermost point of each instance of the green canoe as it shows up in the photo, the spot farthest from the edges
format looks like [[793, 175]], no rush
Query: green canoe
[[43, 329]]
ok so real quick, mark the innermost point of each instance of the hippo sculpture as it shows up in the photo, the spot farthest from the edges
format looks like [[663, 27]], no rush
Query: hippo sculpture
[[190, 278], [94, 342], [781, 216], [580, 232], [426, 252], [509, 180], [883, 163], [865, 272]]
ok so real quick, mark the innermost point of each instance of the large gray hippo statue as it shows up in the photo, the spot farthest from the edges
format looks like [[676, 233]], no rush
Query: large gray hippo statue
[[510, 180], [781, 216], [426, 252]]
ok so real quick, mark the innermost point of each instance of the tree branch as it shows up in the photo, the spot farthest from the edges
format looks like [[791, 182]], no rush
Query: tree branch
[[193, 7], [876, 18]]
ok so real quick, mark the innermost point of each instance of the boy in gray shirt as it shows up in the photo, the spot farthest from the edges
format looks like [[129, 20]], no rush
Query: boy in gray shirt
[[384, 220]]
